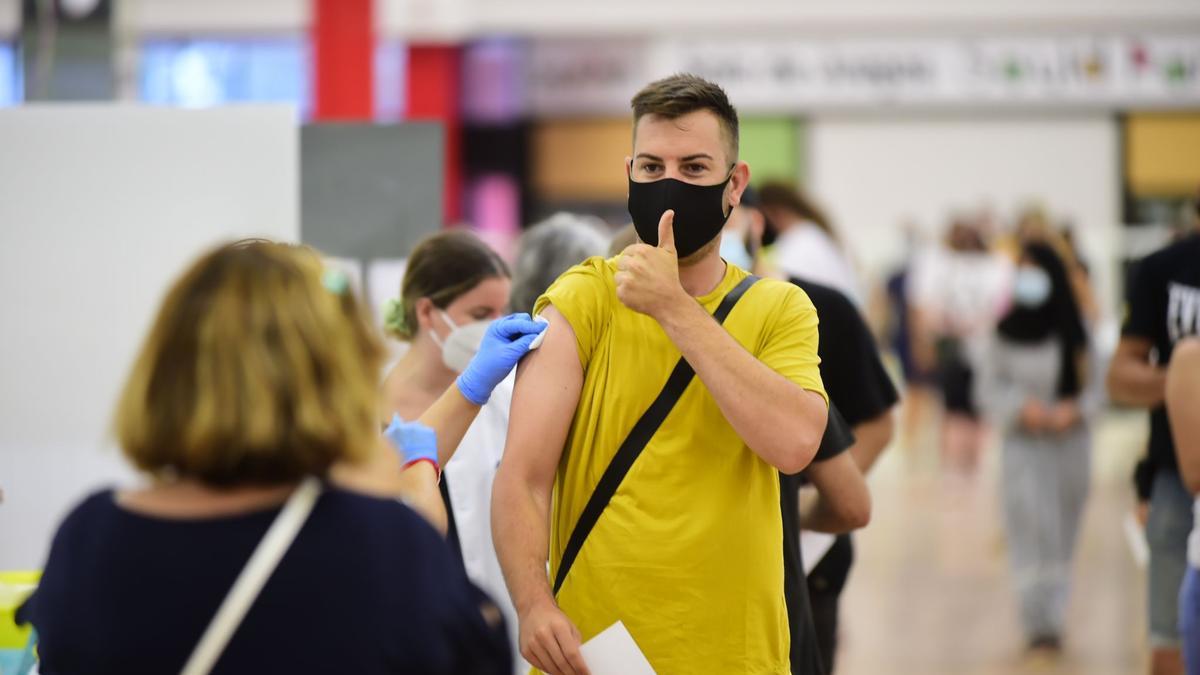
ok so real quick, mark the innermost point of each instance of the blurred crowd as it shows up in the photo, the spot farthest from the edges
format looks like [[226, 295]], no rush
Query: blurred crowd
[[262, 373]]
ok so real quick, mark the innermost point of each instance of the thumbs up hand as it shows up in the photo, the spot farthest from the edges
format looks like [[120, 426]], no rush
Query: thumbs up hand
[[648, 276], [666, 234]]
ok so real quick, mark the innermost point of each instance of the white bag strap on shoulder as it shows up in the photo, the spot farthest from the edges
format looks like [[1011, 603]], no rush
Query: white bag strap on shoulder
[[254, 575]]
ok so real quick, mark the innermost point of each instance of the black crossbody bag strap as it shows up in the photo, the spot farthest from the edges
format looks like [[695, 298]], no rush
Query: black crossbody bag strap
[[636, 441]]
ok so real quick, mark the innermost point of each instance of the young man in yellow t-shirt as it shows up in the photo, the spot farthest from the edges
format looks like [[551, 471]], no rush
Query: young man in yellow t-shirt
[[687, 553]]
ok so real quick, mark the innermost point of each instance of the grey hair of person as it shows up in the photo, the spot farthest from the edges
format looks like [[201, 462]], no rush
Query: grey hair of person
[[551, 247]]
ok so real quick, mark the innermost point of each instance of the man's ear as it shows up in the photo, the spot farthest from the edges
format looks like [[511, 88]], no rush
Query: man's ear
[[738, 180]]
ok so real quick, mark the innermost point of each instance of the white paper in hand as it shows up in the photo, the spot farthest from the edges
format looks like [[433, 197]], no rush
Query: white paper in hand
[[813, 547], [613, 652]]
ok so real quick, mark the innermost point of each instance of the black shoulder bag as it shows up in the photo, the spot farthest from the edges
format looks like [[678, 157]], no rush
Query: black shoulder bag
[[636, 441]]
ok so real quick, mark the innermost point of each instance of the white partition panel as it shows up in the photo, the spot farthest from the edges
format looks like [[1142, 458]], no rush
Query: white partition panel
[[872, 173], [101, 207], [10, 19]]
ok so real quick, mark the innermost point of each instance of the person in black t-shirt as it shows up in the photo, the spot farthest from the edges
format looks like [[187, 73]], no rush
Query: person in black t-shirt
[[1164, 308], [860, 421], [853, 372], [845, 502]]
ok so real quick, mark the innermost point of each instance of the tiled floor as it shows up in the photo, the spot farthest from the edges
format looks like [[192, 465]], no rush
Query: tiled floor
[[930, 592]]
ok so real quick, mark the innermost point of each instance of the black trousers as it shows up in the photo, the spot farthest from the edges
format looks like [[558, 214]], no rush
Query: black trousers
[[825, 585]]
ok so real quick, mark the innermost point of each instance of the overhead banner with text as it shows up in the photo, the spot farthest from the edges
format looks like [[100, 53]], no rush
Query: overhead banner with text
[[777, 75]]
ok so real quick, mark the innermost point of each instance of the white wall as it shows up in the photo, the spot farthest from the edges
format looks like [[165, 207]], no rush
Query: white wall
[[226, 16], [10, 19], [872, 173], [100, 209]]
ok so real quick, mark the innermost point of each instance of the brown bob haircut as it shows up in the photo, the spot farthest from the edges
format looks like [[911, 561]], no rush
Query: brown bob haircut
[[681, 94], [259, 369]]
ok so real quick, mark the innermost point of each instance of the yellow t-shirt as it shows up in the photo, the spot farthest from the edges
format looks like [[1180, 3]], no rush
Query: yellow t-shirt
[[689, 552]]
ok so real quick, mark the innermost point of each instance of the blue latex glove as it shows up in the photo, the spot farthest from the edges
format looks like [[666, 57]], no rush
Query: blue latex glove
[[507, 340], [413, 440]]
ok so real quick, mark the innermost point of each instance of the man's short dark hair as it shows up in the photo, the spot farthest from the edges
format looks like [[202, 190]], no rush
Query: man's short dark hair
[[678, 95]]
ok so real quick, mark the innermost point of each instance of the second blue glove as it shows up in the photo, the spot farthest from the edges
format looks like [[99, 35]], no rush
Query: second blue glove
[[413, 440]]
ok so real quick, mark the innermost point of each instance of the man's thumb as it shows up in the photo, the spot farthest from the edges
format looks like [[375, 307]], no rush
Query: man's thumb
[[666, 231]]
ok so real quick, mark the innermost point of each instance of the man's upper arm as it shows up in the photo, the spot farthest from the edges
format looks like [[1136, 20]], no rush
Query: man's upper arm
[[582, 297], [790, 348], [546, 393]]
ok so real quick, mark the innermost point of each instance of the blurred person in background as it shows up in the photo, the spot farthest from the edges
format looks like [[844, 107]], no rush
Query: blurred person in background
[[687, 552], [1163, 309], [1183, 407], [454, 286], [957, 291], [1033, 387], [1143, 475], [1033, 225], [1068, 233], [742, 238], [861, 425], [905, 341], [1080, 273], [549, 248], [836, 501], [863, 394], [259, 377], [805, 243]]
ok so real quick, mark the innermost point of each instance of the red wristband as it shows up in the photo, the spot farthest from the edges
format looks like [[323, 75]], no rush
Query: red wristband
[[432, 462]]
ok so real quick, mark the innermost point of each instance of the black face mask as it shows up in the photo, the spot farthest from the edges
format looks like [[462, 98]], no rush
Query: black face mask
[[699, 211]]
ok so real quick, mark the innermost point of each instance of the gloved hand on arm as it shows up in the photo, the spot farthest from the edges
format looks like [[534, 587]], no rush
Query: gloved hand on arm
[[507, 340]]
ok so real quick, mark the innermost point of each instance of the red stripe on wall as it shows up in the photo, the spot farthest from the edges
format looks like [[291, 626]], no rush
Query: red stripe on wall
[[343, 57], [434, 82]]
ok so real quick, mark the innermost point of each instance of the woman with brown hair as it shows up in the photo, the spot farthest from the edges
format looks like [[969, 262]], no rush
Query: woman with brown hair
[[258, 378], [805, 245], [454, 286], [1034, 387]]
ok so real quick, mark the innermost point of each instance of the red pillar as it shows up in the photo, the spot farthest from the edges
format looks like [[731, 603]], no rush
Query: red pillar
[[343, 44], [434, 81]]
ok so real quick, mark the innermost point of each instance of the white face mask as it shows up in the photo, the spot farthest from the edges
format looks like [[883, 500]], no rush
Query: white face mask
[[1031, 288], [733, 250], [461, 345]]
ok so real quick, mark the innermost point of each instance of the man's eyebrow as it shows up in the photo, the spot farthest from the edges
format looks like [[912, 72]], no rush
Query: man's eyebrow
[[689, 158]]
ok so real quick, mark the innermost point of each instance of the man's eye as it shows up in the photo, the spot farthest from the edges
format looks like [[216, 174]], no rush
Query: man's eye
[[651, 168], [695, 168]]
